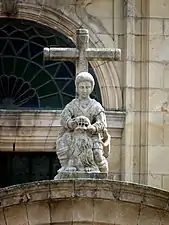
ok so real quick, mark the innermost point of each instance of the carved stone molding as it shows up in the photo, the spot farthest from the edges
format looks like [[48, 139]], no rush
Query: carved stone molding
[[9, 7], [37, 130], [83, 202]]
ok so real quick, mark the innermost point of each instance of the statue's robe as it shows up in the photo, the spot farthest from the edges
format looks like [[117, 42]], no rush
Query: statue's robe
[[95, 113]]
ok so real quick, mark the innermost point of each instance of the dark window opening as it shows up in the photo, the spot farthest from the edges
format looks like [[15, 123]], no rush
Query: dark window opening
[[23, 167]]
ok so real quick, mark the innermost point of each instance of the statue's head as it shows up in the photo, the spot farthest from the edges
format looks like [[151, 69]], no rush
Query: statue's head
[[84, 84]]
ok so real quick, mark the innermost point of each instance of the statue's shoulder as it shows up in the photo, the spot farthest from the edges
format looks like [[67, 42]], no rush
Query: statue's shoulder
[[97, 105], [71, 103]]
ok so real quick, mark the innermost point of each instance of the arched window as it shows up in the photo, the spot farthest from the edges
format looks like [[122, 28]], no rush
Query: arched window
[[26, 81]]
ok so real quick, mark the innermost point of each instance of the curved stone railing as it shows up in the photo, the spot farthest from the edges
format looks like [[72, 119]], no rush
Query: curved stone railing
[[83, 201]]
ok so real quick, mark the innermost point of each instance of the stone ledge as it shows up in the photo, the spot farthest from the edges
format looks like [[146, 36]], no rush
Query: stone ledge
[[27, 118], [36, 130], [95, 189], [80, 175]]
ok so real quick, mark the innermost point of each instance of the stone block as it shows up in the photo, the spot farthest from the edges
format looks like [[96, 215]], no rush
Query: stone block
[[156, 79], [141, 26], [104, 8], [115, 141], [130, 76], [120, 69], [156, 48], [159, 9], [16, 215], [140, 42], [107, 39], [114, 159], [156, 26], [154, 180], [34, 213], [129, 52], [82, 210], [79, 175], [166, 75], [158, 161], [165, 219], [156, 99], [2, 218], [155, 129], [166, 129], [118, 8], [153, 218], [129, 99], [61, 211], [166, 26], [136, 161], [162, 49], [109, 212], [138, 74], [118, 24], [166, 182]]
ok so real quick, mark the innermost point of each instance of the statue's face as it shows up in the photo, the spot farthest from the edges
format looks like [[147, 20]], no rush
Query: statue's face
[[84, 89]]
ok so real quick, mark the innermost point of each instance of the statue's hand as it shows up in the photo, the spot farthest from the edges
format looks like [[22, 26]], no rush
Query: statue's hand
[[91, 129], [72, 124]]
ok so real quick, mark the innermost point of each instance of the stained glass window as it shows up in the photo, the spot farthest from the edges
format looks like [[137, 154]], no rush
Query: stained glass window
[[26, 81]]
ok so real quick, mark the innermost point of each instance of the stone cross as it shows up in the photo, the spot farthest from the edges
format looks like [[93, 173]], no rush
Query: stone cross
[[82, 54]]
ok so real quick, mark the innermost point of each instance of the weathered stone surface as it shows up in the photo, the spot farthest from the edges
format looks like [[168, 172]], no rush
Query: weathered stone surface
[[83, 201], [80, 175], [82, 54], [83, 144], [36, 130]]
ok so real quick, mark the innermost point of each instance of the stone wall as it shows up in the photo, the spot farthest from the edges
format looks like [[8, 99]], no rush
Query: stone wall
[[141, 29]]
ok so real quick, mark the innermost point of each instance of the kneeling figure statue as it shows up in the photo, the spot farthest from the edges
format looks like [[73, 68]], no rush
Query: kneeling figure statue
[[83, 144]]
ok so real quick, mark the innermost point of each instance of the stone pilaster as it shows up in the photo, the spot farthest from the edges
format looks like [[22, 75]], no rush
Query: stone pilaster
[[134, 149], [129, 78]]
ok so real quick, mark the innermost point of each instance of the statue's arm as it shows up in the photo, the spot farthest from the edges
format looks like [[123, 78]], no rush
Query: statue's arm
[[66, 116], [100, 123]]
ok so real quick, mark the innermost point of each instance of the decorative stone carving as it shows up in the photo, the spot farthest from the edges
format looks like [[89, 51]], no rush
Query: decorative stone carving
[[83, 144], [9, 7]]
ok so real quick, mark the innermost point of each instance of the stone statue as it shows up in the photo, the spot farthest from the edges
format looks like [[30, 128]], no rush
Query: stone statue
[[83, 144]]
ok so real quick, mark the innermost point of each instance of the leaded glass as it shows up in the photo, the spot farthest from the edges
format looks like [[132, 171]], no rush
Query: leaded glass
[[26, 80]]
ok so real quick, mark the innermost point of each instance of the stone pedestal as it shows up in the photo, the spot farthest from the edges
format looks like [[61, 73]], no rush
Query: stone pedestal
[[80, 175]]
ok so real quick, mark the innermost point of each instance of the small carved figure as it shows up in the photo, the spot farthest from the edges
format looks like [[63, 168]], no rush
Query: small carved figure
[[83, 143]]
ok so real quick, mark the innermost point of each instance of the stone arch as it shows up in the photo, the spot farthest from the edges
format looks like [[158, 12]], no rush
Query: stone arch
[[66, 23], [81, 202]]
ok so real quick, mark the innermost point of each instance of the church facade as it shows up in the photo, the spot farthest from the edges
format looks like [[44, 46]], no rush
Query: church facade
[[134, 90]]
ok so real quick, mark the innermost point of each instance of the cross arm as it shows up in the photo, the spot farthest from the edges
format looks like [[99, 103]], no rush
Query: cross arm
[[60, 53], [103, 54]]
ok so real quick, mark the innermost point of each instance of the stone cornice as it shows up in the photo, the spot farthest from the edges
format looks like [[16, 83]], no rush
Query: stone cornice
[[93, 189], [37, 130], [115, 119]]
